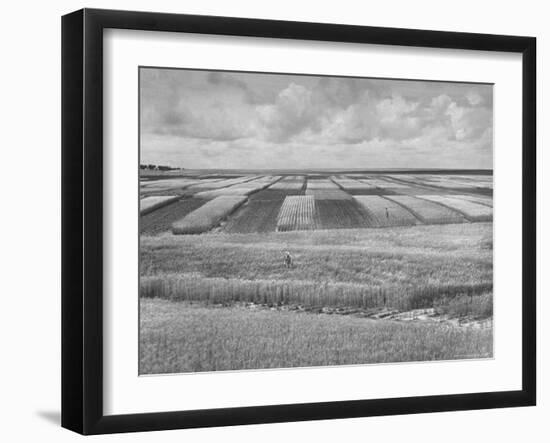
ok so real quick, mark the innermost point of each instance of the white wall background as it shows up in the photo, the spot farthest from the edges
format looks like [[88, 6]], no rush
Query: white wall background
[[30, 225]]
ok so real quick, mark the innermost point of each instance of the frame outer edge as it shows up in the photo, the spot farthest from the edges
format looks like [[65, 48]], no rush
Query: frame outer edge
[[529, 271], [72, 222], [93, 222], [82, 192]]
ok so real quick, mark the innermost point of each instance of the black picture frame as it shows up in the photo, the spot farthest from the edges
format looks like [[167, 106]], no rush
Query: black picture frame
[[82, 218]]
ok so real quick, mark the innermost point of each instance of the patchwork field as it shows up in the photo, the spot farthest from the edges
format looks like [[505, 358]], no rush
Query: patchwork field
[[340, 214], [369, 251], [255, 216], [384, 212], [208, 215], [149, 204], [471, 210], [297, 213], [315, 201], [161, 220], [426, 211]]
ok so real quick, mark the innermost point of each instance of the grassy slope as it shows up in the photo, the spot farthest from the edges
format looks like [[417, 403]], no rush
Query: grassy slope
[[421, 255], [178, 337]]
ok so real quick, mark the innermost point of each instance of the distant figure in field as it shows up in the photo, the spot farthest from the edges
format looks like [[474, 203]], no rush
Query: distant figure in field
[[387, 214], [288, 259]]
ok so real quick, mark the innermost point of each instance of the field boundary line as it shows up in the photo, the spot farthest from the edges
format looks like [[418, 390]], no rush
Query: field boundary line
[[479, 202], [432, 187], [466, 216], [159, 205], [413, 212]]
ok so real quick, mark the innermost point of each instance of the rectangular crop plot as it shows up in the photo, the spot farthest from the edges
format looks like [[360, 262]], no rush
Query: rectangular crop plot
[[351, 185], [480, 181], [476, 181], [340, 214], [472, 211], [321, 184], [149, 204], [393, 185], [255, 216], [407, 177], [447, 182], [383, 213], [160, 220], [328, 194], [165, 186], [272, 194], [297, 213], [288, 184], [207, 216], [428, 211], [218, 184], [169, 183], [245, 188], [380, 183], [482, 200]]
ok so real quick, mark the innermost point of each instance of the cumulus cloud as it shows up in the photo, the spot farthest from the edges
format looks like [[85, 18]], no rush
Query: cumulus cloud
[[291, 114], [214, 119]]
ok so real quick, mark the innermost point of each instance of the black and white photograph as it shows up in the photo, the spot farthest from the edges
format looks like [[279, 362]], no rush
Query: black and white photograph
[[271, 222], [294, 221]]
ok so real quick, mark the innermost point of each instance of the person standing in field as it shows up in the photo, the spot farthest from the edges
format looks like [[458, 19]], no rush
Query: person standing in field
[[387, 214], [288, 259]]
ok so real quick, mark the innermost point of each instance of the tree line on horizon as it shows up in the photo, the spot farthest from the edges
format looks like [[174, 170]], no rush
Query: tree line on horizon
[[158, 167]]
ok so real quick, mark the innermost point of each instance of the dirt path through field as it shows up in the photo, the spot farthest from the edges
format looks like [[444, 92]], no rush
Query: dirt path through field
[[415, 315]]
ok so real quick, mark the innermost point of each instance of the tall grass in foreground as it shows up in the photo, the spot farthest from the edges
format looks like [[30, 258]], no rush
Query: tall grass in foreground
[[192, 287], [179, 337]]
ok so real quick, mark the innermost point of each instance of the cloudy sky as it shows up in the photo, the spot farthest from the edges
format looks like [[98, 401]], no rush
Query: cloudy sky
[[213, 119]]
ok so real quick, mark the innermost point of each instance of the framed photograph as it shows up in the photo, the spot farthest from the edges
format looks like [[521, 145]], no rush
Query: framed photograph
[[269, 221]]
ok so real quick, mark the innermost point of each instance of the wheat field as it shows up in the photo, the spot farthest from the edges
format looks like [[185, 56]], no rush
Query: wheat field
[[297, 213], [217, 300], [178, 337], [208, 215]]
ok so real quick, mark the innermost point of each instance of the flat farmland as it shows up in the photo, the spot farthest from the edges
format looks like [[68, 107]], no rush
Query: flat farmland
[[255, 216], [340, 214], [161, 220], [208, 215], [328, 194], [449, 183], [482, 200], [292, 183], [296, 213], [321, 184], [383, 212], [473, 211], [273, 194], [217, 295], [351, 184], [210, 184], [166, 186], [427, 211], [441, 199], [150, 203]]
